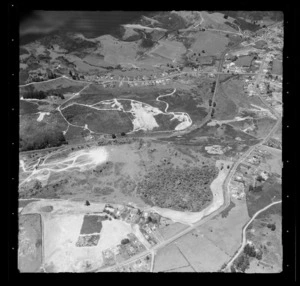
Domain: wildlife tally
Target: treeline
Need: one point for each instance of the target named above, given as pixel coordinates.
(42, 141)
(41, 94)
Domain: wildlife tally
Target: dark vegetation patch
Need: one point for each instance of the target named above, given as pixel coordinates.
(87, 240)
(23, 76)
(41, 94)
(170, 21)
(99, 121)
(68, 42)
(23, 51)
(23, 204)
(246, 25)
(165, 123)
(147, 41)
(43, 134)
(225, 212)
(264, 194)
(242, 263)
(188, 42)
(92, 224)
(36, 190)
(179, 189)
(28, 107)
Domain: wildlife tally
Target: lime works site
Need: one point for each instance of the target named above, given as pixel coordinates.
(153, 148)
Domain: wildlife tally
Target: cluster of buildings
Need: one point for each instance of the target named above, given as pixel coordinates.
(131, 245)
(248, 173)
(148, 222)
(128, 247)
(114, 80)
(243, 61)
(264, 56)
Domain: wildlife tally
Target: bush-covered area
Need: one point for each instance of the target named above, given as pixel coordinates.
(41, 94)
(68, 42)
(241, 263)
(44, 134)
(179, 189)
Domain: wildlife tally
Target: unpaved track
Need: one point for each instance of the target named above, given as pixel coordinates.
(244, 234)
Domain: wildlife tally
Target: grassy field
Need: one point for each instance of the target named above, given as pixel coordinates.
(225, 107)
(28, 107)
(170, 230)
(202, 254)
(212, 43)
(265, 232)
(99, 121)
(186, 102)
(61, 85)
(261, 196)
(169, 258)
(225, 231)
(233, 89)
(30, 243)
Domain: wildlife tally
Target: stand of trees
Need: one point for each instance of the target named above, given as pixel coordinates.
(41, 94)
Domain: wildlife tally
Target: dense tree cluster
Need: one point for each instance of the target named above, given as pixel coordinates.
(179, 189)
(241, 263)
(41, 94)
(45, 140)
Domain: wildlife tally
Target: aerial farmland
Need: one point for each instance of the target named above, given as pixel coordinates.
(153, 146)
